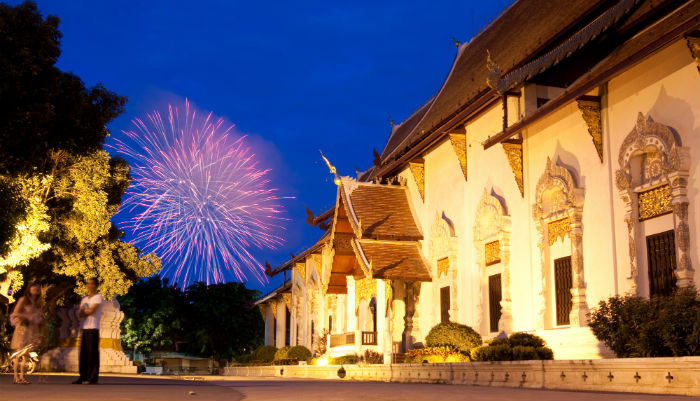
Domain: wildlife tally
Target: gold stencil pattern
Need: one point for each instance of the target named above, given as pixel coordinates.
(558, 229)
(287, 297)
(365, 288)
(418, 171)
(654, 202)
(459, 144)
(492, 252)
(301, 269)
(514, 153)
(443, 265)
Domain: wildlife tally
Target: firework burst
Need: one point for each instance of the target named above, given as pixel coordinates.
(198, 198)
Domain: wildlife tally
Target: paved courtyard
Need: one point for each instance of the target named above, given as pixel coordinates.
(112, 388)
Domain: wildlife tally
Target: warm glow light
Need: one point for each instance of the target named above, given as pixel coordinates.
(322, 361)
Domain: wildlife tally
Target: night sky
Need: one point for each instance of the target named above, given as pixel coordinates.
(295, 76)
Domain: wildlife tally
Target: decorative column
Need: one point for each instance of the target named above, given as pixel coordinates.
(679, 203)
(381, 314)
(579, 309)
(411, 331)
(541, 284)
(505, 323)
(281, 324)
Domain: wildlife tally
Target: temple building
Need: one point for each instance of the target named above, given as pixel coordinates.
(556, 166)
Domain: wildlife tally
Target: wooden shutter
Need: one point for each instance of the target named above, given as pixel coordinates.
(494, 301)
(562, 288)
(661, 260)
(445, 304)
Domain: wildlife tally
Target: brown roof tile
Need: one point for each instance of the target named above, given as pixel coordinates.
(395, 260)
(384, 212)
(512, 40)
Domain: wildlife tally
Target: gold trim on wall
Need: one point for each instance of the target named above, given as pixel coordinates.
(365, 288)
(654, 202)
(443, 266)
(459, 145)
(492, 253)
(558, 229)
(513, 149)
(418, 170)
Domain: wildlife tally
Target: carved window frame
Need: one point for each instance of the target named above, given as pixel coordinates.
(444, 244)
(498, 229)
(567, 216)
(647, 136)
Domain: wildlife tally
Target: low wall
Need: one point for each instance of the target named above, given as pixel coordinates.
(680, 376)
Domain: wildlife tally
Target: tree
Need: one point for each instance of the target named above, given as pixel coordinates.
(43, 108)
(154, 315)
(53, 168)
(224, 321)
(217, 320)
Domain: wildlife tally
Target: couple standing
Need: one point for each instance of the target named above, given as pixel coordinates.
(28, 315)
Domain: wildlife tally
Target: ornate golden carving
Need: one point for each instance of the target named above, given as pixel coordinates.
(273, 306)
(558, 229)
(287, 298)
(654, 202)
(388, 295)
(317, 262)
(514, 152)
(590, 109)
(301, 269)
(443, 265)
(492, 253)
(459, 144)
(694, 46)
(418, 171)
(365, 288)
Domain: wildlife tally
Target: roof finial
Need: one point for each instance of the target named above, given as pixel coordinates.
(391, 120)
(331, 168)
(456, 42)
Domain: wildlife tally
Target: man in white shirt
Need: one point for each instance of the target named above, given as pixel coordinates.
(91, 313)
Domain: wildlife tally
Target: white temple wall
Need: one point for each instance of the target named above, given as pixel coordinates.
(665, 86)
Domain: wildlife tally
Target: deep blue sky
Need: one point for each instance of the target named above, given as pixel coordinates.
(296, 76)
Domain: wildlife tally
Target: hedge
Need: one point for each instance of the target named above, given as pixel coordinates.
(265, 353)
(299, 352)
(517, 347)
(458, 336)
(633, 326)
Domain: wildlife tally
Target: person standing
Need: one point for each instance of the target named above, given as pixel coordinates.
(91, 313)
(26, 317)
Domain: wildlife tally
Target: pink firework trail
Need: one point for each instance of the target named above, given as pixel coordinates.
(198, 198)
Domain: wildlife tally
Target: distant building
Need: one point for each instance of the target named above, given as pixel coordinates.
(556, 166)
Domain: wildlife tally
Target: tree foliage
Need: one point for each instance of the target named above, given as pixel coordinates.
(58, 187)
(216, 320)
(43, 108)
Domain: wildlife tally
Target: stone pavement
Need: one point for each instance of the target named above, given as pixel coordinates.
(113, 387)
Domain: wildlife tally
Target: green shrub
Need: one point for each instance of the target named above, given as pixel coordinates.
(500, 352)
(498, 341)
(458, 357)
(545, 353)
(632, 326)
(523, 353)
(245, 358)
(458, 336)
(282, 354)
(344, 360)
(372, 357)
(299, 352)
(435, 355)
(265, 353)
(679, 318)
(517, 347)
(525, 340)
